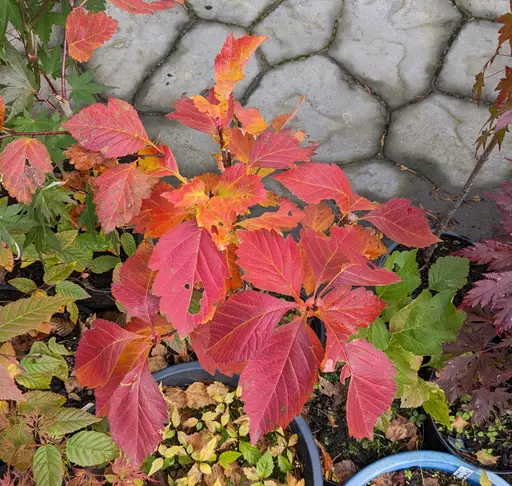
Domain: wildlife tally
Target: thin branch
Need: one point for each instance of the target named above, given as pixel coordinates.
(40, 12)
(460, 198)
(14, 133)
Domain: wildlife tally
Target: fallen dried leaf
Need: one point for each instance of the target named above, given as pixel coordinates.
(399, 429)
(344, 470)
(486, 459)
(175, 396)
(197, 396)
(157, 363)
(326, 387)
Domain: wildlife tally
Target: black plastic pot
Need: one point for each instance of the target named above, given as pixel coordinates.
(394, 246)
(456, 452)
(307, 451)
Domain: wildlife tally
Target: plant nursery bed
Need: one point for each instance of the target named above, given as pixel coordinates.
(418, 477)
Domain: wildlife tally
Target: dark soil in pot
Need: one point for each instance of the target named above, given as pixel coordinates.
(488, 445)
(418, 477)
(326, 415)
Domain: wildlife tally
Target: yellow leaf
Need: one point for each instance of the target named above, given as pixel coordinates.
(484, 480)
(156, 466)
(205, 468)
(6, 259)
(191, 422)
(208, 450)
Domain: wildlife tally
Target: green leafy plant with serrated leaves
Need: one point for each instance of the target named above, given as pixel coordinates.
(418, 318)
(208, 437)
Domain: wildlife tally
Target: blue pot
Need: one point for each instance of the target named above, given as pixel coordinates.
(307, 451)
(426, 460)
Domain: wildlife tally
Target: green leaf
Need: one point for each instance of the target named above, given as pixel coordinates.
(96, 5)
(57, 348)
(83, 88)
(39, 370)
(89, 448)
(265, 465)
(407, 365)
(89, 218)
(51, 62)
(404, 264)
(72, 290)
(40, 400)
(378, 334)
(69, 420)
(72, 308)
(4, 20)
(227, 458)
(47, 467)
(128, 243)
(58, 273)
(104, 263)
(415, 394)
(436, 406)
(423, 325)
(26, 315)
(156, 466)
(448, 273)
(251, 453)
(284, 464)
(25, 285)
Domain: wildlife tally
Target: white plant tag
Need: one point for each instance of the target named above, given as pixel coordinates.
(463, 472)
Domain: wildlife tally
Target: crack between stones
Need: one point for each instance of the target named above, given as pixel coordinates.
(152, 70)
(265, 13)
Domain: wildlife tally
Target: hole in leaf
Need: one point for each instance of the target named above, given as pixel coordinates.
(208, 7)
(187, 286)
(195, 302)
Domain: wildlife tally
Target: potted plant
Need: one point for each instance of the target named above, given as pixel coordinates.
(477, 373)
(453, 469)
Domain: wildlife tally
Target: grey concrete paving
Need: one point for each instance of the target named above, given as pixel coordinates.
(387, 85)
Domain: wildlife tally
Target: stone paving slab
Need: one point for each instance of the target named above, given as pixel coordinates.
(346, 119)
(475, 44)
(387, 83)
(298, 28)
(436, 138)
(393, 46)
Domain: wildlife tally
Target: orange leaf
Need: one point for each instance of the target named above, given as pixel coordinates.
(119, 194)
(287, 217)
(279, 122)
(250, 118)
(141, 7)
(114, 129)
(235, 281)
(84, 159)
(2, 113)
(188, 195)
(318, 217)
(23, 164)
(158, 161)
(157, 215)
(86, 31)
(240, 145)
(230, 63)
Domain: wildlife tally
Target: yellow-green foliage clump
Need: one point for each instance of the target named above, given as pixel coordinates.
(207, 443)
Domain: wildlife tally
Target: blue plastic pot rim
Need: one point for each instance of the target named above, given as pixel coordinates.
(426, 460)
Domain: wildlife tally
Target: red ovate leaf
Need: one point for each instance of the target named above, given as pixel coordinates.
(23, 164)
(158, 161)
(364, 240)
(141, 7)
(184, 256)
(372, 386)
(137, 414)
(250, 118)
(240, 145)
(2, 113)
(119, 194)
(318, 217)
(84, 159)
(187, 113)
(286, 218)
(231, 61)
(8, 389)
(100, 350)
(271, 262)
(403, 223)
(114, 130)
(241, 327)
(344, 311)
(277, 383)
(86, 31)
(237, 192)
(134, 289)
(158, 215)
(314, 182)
(279, 150)
(200, 339)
